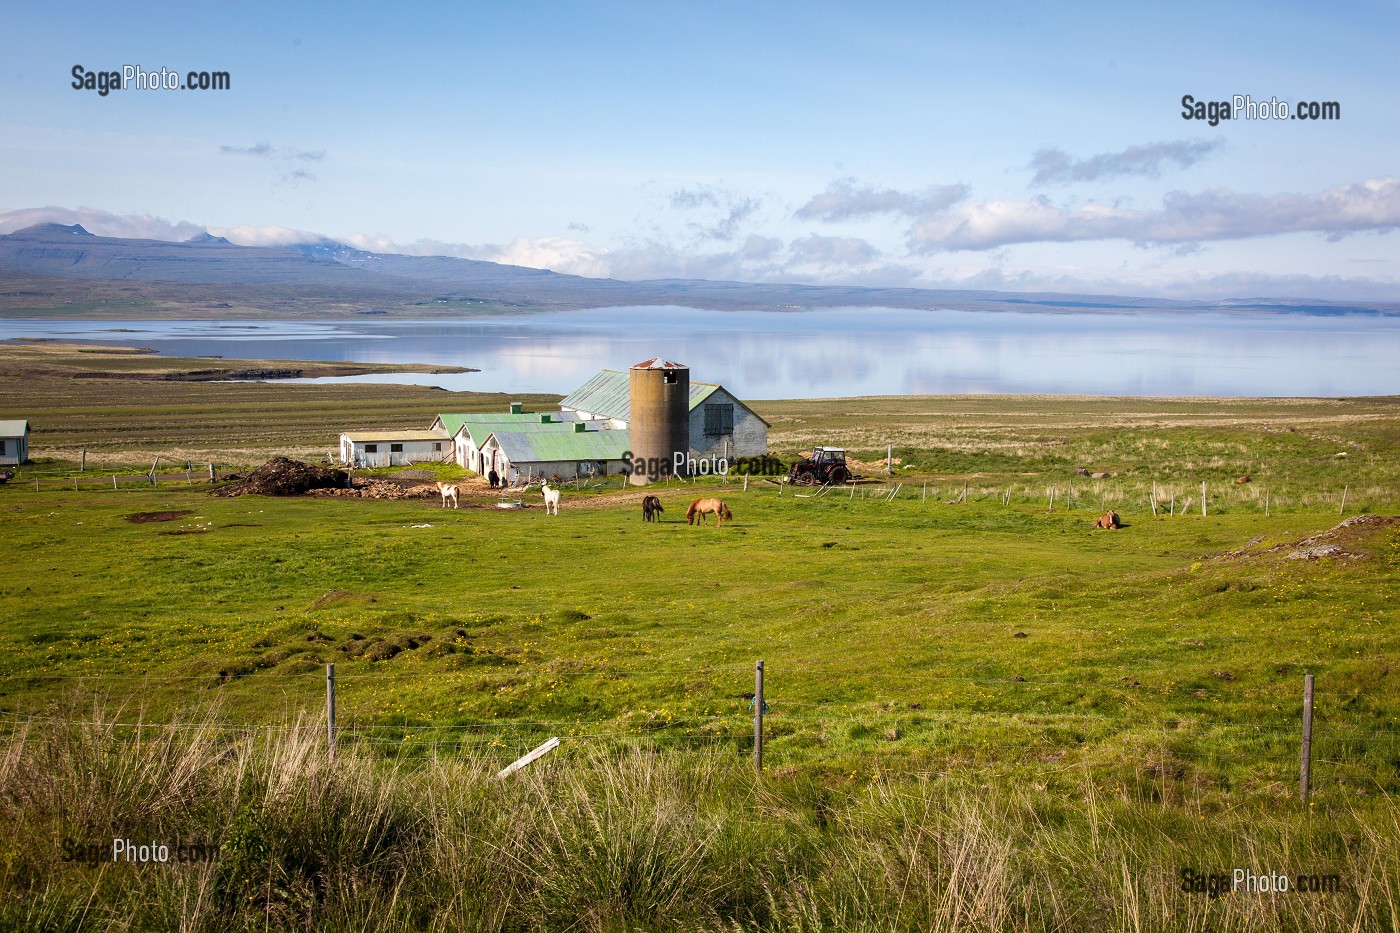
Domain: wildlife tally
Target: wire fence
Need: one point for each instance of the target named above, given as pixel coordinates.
(892, 730)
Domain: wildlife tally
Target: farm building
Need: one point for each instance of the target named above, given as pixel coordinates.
(469, 431)
(523, 452)
(720, 424)
(393, 448)
(14, 443)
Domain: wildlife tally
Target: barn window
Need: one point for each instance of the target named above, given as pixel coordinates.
(395, 448)
(719, 420)
(2, 448)
(670, 377)
(437, 446)
(371, 448)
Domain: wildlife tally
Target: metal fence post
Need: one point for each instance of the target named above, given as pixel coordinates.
(1305, 772)
(330, 710)
(758, 717)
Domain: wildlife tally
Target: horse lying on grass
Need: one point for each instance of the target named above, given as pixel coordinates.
(651, 509)
(702, 507)
(1108, 520)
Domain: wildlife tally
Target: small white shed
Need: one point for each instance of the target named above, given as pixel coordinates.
(393, 448)
(14, 443)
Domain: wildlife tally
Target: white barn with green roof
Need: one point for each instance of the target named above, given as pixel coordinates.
(524, 452)
(720, 424)
(469, 430)
(14, 443)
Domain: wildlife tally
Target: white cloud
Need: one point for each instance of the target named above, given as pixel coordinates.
(265, 235)
(1218, 214)
(100, 223)
(833, 251)
(843, 200)
(1056, 166)
(760, 248)
(729, 208)
(265, 150)
(559, 254)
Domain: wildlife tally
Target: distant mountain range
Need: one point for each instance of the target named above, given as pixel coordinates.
(55, 270)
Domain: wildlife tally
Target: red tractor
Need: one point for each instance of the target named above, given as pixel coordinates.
(826, 466)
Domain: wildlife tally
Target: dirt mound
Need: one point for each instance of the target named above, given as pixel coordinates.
(1321, 550)
(141, 518)
(281, 476)
(1346, 539)
(378, 489)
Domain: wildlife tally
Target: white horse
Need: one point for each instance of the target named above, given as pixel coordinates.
(551, 498)
(448, 491)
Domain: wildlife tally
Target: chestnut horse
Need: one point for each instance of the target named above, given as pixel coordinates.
(703, 507)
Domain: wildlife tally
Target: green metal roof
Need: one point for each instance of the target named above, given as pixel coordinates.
(451, 423)
(609, 394)
(14, 428)
(489, 420)
(531, 446)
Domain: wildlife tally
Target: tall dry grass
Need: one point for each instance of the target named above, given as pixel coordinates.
(628, 838)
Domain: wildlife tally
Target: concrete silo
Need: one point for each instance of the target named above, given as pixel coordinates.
(659, 421)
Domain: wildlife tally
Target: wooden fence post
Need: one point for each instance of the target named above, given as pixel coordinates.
(330, 710)
(1305, 774)
(1343, 509)
(758, 717)
(1203, 498)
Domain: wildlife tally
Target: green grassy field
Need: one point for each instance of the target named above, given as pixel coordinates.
(950, 673)
(890, 629)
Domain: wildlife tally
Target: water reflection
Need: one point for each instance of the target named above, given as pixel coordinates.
(839, 352)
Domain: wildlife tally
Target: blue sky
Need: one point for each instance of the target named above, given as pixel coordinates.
(1011, 146)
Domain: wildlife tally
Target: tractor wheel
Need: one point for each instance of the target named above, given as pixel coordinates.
(805, 479)
(839, 476)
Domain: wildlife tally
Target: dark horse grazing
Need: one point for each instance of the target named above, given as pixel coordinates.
(702, 507)
(651, 509)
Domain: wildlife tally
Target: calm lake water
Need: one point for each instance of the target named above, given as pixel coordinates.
(817, 354)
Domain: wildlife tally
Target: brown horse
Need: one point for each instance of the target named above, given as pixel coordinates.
(702, 507)
(651, 509)
(1108, 520)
